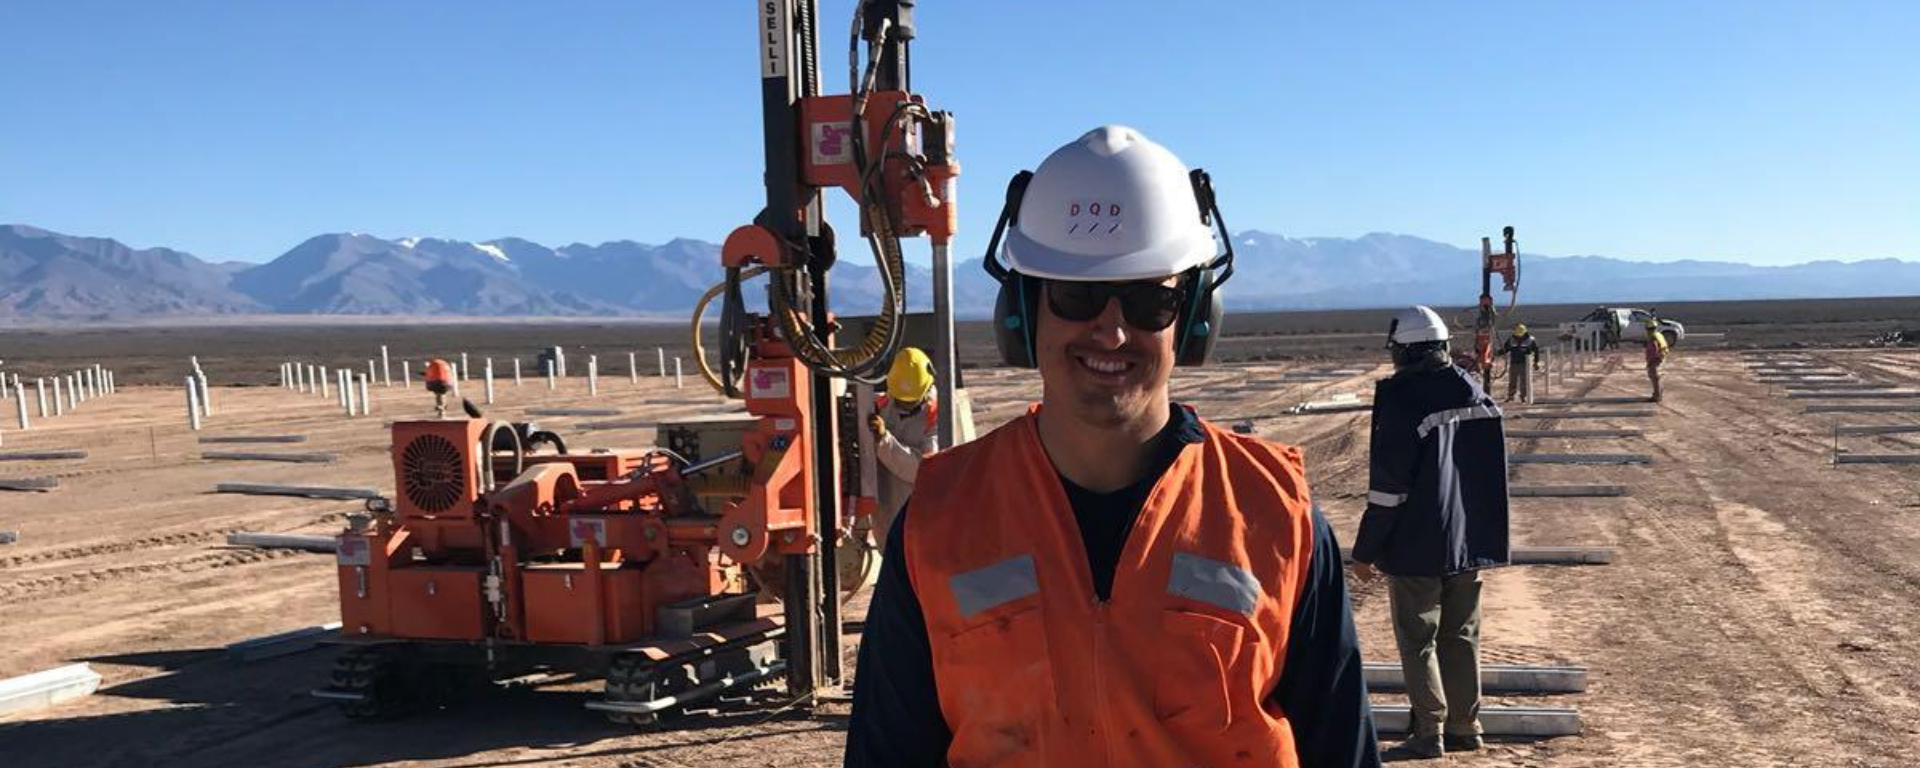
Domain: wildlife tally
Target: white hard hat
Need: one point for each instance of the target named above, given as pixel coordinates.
(1416, 324)
(1112, 205)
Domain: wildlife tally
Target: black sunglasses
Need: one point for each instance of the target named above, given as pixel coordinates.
(1148, 306)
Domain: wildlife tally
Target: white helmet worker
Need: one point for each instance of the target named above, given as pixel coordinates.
(1416, 325)
(1111, 206)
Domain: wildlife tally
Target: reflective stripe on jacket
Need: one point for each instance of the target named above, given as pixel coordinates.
(1175, 669)
(1519, 348)
(1437, 485)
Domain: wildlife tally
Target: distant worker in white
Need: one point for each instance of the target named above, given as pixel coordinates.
(905, 430)
(1436, 515)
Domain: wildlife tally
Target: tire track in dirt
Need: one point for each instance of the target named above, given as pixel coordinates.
(1756, 630)
(114, 547)
(62, 584)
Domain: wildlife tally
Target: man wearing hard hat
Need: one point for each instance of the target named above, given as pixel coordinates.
(1110, 580)
(1436, 516)
(1657, 351)
(1523, 359)
(905, 428)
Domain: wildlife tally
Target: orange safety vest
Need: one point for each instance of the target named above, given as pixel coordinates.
(1174, 670)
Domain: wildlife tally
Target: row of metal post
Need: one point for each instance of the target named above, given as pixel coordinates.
(69, 391)
(1571, 357)
(353, 388)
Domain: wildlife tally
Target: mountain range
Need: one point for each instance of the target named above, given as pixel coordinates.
(51, 276)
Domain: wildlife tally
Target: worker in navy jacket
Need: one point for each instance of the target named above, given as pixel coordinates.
(1436, 515)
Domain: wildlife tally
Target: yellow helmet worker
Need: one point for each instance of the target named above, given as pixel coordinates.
(1520, 330)
(905, 430)
(911, 376)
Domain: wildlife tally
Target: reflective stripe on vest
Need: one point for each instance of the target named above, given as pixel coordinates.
(993, 586)
(1031, 668)
(1224, 585)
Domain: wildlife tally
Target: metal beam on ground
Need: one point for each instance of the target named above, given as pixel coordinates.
(1494, 678)
(1580, 458)
(1561, 555)
(9, 537)
(574, 412)
(616, 425)
(1573, 433)
(1566, 491)
(1494, 721)
(1617, 414)
(1608, 400)
(1876, 458)
(282, 644)
(306, 491)
(1876, 429)
(30, 484)
(283, 541)
(1526, 555)
(299, 458)
(1838, 384)
(47, 688)
(249, 439)
(1853, 394)
(1306, 409)
(41, 455)
(1864, 408)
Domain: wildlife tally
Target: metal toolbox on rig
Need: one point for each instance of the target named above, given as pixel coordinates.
(560, 604)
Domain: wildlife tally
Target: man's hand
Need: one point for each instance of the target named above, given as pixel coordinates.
(1364, 572)
(879, 427)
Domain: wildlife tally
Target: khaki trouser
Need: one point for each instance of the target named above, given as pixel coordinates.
(1520, 382)
(1653, 375)
(1436, 622)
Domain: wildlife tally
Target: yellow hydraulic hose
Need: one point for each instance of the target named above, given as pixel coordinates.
(700, 310)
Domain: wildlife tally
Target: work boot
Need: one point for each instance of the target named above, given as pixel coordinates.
(1467, 743)
(1419, 748)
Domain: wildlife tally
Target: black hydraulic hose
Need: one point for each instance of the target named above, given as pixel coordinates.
(544, 436)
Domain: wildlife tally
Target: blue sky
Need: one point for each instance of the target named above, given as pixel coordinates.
(1771, 132)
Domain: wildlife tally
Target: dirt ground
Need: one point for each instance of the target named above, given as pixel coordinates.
(1760, 609)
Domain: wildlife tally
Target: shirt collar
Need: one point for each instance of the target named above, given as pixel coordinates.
(1185, 425)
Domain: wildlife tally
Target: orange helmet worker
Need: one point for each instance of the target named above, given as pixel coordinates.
(1110, 580)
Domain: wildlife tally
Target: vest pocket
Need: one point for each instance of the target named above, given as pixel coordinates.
(1202, 657)
(1001, 690)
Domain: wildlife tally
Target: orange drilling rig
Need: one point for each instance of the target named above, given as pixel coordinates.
(1506, 264)
(706, 563)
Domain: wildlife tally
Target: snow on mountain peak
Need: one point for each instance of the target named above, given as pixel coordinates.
(492, 250)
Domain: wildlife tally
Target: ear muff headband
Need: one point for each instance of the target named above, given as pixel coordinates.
(1028, 285)
(1202, 327)
(1186, 329)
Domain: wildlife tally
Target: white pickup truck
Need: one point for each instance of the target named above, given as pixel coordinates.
(1629, 323)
